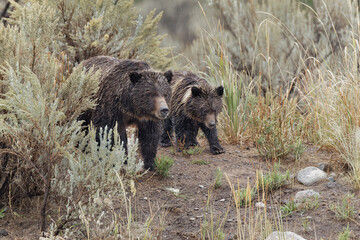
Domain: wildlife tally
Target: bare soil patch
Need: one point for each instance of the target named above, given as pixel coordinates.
(186, 212)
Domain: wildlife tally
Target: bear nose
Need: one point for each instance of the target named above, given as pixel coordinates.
(212, 124)
(164, 111)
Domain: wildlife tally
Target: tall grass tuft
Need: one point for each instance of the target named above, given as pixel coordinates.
(334, 94)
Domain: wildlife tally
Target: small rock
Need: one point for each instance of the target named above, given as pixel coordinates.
(310, 175)
(333, 175)
(229, 220)
(259, 205)
(331, 179)
(3, 232)
(175, 191)
(145, 198)
(201, 186)
(331, 184)
(284, 236)
(196, 209)
(200, 216)
(302, 195)
(326, 167)
(192, 219)
(222, 200)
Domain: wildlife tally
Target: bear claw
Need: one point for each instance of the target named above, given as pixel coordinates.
(216, 150)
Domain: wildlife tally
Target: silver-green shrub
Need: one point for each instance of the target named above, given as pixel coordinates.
(278, 40)
(42, 96)
(91, 182)
(86, 28)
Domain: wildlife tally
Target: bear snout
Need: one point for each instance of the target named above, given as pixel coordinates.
(212, 124)
(210, 120)
(161, 108)
(164, 111)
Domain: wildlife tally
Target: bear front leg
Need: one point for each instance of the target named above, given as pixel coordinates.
(166, 136)
(149, 136)
(123, 138)
(211, 135)
(186, 131)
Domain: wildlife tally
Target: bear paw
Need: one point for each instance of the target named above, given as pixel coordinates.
(216, 150)
(151, 167)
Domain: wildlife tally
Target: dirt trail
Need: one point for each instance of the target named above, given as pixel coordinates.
(186, 212)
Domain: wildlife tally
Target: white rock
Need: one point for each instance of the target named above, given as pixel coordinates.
(302, 195)
(201, 186)
(192, 219)
(222, 200)
(175, 191)
(310, 175)
(259, 205)
(284, 236)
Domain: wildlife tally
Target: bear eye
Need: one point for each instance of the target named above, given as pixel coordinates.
(205, 111)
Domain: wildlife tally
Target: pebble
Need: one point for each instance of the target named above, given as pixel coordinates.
(259, 205)
(284, 236)
(196, 209)
(331, 179)
(201, 186)
(310, 175)
(200, 216)
(302, 195)
(145, 198)
(192, 219)
(222, 200)
(331, 184)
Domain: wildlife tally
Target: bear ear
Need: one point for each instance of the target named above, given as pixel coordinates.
(220, 91)
(195, 91)
(134, 77)
(168, 75)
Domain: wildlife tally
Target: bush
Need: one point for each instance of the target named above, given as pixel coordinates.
(277, 128)
(43, 96)
(85, 28)
(93, 181)
(163, 165)
(275, 40)
(272, 180)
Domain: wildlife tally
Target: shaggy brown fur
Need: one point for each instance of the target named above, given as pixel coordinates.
(194, 104)
(130, 92)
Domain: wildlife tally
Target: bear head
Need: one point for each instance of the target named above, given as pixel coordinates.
(204, 104)
(150, 94)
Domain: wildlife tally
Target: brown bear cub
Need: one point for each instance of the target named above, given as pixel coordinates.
(194, 104)
(130, 93)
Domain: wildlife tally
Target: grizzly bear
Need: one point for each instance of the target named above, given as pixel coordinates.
(194, 104)
(130, 93)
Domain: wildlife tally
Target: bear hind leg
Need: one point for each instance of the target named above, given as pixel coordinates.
(166, 136)
(186, 131)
